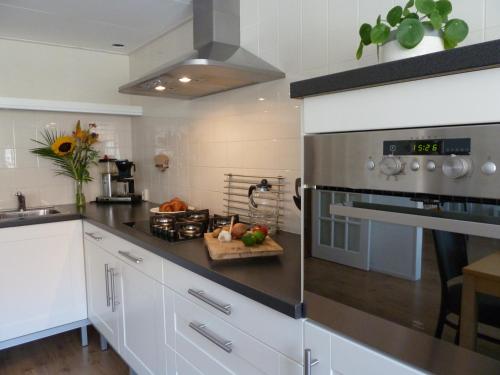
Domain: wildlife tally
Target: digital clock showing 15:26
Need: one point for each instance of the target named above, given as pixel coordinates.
(426, 147)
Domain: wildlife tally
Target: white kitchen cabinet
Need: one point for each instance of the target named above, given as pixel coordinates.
(100, 268)
(141, 305)
(126, 305)
(42, 278)
(339, 355)
(280, 332)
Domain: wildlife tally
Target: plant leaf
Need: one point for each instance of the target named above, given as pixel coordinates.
(448, 44)
(409, 4)
(394, 15)
(428, 25)
(455, 31)
(412, 15)
(425, 6)
(436, 20)
(410, 33)
(359, 52)
(444, 8)
(380, 33)
(379, 19)
(364, 33)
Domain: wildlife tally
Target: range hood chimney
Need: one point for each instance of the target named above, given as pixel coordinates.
(216, 64)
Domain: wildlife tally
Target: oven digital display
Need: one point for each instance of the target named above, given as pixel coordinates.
(456, 146)
(426, 147)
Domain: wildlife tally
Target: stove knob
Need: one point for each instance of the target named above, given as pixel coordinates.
(370, 165)
(489, 168)
(415, 165)
(455, 167)
(391, 166)
(431, 166)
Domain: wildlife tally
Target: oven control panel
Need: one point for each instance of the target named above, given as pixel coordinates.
(453, 161)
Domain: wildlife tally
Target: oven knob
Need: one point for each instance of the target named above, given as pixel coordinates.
(431, 166)
(455, 167)
(391, 166)
(370, 165)
(489, 168)
(415, 165)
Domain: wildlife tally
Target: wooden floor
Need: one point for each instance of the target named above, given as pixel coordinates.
(62, 354)
(409, 303)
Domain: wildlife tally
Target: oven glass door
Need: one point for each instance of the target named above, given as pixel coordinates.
(407, 261)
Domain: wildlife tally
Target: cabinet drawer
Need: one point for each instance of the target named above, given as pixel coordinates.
(277, 330)
(199, 331)
(141, 259)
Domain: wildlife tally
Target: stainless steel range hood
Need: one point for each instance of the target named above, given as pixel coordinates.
(217, 63)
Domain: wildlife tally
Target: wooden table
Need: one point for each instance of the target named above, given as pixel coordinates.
(482, 276)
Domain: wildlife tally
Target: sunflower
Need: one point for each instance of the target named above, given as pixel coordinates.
(63, 145)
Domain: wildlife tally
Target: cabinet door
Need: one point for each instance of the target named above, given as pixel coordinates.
(99, 266)
(142, 329)
(42, 278)
(317, 340)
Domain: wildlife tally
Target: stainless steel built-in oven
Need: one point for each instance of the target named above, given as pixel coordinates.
(402, 223)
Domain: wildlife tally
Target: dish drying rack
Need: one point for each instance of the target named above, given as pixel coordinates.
(236, 194)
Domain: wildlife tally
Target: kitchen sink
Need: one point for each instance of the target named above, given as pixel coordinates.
(29, 213)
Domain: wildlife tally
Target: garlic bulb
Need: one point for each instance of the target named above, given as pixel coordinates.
(224, 236)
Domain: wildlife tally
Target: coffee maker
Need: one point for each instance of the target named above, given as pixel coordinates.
(117, 181)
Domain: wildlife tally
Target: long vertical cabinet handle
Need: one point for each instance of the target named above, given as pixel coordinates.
(106, 276)
(309, 362)
(114, 302)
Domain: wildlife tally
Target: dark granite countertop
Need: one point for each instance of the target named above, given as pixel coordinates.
(463, 59)
(415, 348)
(274, 281)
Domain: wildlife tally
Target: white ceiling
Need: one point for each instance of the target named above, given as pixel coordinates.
(91, 24)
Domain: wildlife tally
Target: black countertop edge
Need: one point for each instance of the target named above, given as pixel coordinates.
(41, 220)
(416, 349)
(479, 56)
(292, 309)
(112, 218)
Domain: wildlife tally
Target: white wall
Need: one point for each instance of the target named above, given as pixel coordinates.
(233, 131)
(29, 70)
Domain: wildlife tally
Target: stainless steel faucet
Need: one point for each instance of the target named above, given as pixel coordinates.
(21, 201)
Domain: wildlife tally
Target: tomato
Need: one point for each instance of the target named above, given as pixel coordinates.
(261, 228)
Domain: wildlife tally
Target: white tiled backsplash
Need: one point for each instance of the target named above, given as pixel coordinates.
(235, 132)
(22, 171)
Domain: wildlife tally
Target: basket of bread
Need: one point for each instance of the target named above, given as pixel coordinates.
(172, 206)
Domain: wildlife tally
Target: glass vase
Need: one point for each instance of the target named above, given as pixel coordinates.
(79, 196)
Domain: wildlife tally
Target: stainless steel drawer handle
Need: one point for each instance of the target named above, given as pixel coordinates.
(222, 307)
(114, 302)
(309, 362)
(225, 345)
(129, 256)
(94, 236)
(106, 277)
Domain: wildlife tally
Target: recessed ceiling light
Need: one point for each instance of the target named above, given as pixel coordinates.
(185, 79)
(160, 88)
(118, 45)
(261, 99)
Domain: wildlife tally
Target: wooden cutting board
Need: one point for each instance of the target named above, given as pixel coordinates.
(236, 249)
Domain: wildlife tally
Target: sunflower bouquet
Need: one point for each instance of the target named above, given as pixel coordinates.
(73, 155)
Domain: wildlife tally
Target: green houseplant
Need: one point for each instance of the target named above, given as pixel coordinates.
(409, 26)
(72, 155)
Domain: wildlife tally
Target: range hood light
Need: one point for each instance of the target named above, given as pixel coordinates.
(185, 79)
(160, 88)
(261, 99)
